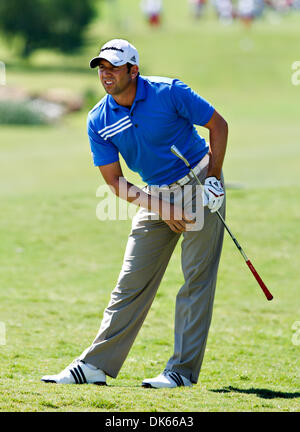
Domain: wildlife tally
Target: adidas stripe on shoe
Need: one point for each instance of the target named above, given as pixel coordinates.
(168, 379)
(77, 372)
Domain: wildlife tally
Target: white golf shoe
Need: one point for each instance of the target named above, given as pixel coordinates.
(168, 379)
(78, 372)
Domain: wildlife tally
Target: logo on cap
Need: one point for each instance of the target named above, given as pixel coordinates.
(112, 48)
(133, 59)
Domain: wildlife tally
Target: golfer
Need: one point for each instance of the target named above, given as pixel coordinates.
(141, 118)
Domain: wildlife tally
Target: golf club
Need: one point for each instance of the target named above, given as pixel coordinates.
(267, 293)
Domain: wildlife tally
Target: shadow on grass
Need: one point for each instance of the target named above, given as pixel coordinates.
(263, 393)
(75, 65)
(48, 68)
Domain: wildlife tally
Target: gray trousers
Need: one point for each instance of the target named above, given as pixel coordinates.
(149, 249)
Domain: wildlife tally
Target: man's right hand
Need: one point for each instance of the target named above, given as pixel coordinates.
(177, 218)
(172, 215)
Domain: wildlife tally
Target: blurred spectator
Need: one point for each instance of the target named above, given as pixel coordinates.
(296, 4)
(152, 10)
(259, 7)
(224, 10)
(245, 11)
(248, 10)
(197, 7)
(282, 5)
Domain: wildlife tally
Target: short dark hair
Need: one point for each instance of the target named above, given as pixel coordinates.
(129, 66)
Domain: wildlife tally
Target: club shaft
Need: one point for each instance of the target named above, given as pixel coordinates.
(248, 262)
(223, 221)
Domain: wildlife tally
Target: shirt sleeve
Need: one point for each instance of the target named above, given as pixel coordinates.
(189, 104)
(103, 151)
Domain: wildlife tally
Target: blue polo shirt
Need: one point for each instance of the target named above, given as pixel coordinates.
(163, 114)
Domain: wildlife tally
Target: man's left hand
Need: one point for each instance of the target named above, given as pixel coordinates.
(213, 194)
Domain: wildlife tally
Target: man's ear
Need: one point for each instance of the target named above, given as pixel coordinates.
(134, 71)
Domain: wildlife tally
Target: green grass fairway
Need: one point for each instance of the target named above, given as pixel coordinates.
(59, 263)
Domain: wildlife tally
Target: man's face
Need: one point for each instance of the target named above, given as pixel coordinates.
(115, 79)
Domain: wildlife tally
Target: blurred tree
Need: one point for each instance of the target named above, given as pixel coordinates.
(57, 24)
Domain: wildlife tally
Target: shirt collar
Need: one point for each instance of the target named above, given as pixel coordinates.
(140, 94)
(141, 89)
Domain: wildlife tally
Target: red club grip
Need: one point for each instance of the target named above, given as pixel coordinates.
(259, 280)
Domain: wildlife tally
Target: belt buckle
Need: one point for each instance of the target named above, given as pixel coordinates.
(183, 180)
(189, 176)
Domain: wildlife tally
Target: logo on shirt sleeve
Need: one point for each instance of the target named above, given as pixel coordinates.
(115, 128)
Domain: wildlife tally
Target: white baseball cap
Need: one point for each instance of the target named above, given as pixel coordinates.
(118, 52)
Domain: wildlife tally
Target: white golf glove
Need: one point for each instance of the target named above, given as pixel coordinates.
(213, 194)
